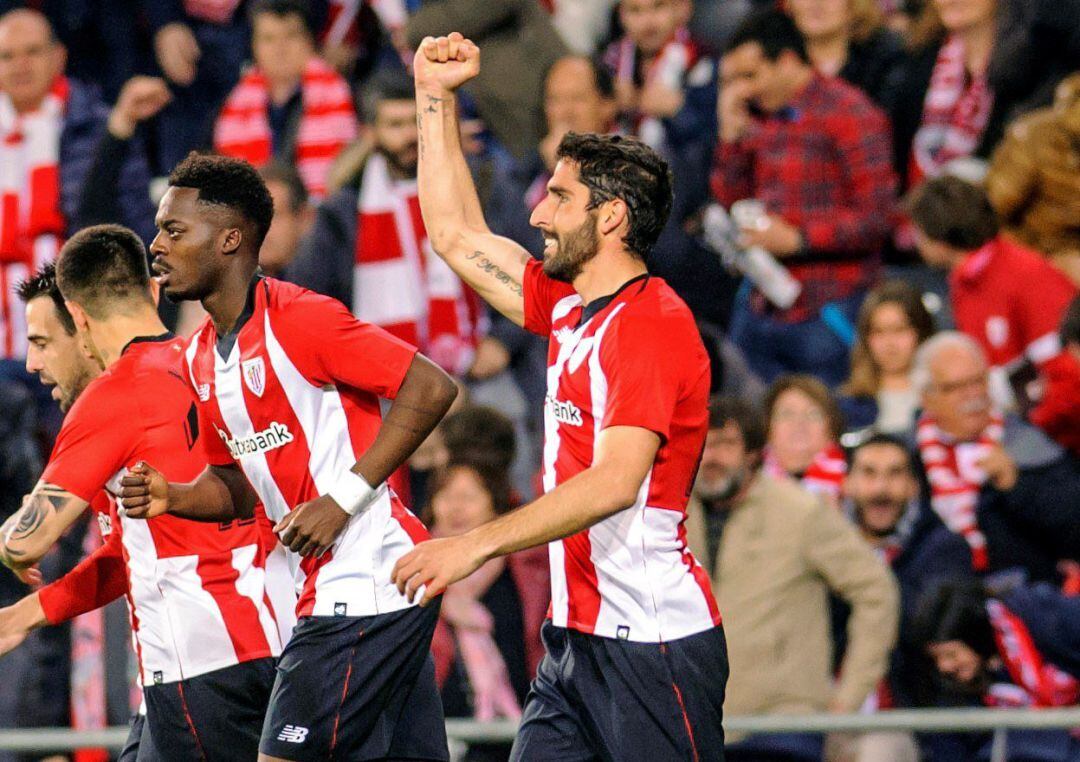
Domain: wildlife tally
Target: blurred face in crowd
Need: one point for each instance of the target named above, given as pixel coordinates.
(880, 485)
(462, 503)
(766, 85)
(821, 19)
(569, 228)
(572, 101)
(396, 136)
(961, 15)
(958, 395)
(56, 356)
(30, 60)
(798, 430)
(892, 339)
(956, 660)
(281, 47)
(725, 464)
(935, 253)
(187, 243)
(651, 23)
(289, 224)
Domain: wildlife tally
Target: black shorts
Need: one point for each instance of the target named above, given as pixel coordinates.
(216, 716)
(136, 728)
(358, 688)
(620, 701)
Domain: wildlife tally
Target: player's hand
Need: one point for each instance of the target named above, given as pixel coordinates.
(144, 492)
(140, 98)
(177, 52)
(435, 565)
(445, 63)
(17, 620)
(311, 528)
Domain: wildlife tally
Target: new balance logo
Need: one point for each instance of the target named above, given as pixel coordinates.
(203, 390)
(293, 734)
(272, 437)
(565, 412)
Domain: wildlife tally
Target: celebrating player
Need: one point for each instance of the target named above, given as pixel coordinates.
(203, 632)
(636, 662)
(288, 384)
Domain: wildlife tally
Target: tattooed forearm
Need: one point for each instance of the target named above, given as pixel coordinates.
(432, 102)
(22, 533)
(485, 264)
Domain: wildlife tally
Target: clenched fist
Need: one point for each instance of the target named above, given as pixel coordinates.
(445, 63)
(144, 492)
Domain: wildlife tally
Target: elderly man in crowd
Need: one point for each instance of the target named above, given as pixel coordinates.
(1005, 487)
(774, 553)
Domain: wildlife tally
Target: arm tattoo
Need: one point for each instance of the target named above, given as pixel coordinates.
(41, 505)
(500, 274)
(431, 101)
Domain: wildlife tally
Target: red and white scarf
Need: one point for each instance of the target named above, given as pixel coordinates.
(31, 221)
(400, 284)
(327, 125)
(670, 67)
(955, 479)
(955, 113)
(824, 476)
(1040, 684)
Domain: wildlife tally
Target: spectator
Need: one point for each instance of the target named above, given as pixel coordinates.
(976, 65)
(291, 105)
(81, 163)
(1008, 490)
(804, 427)
(582, 24)
(848, 39)
(1054, 415)
(818, 160)
(774, 552)
(519, 45)
(892, 323)
(368, 246)
(487, 642)
(293, 217)
(1008, 298)
(882, 498)
(1033, 181)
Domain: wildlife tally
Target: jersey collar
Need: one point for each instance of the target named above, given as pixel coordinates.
(145, 339)
(226, 341)
(593, 308)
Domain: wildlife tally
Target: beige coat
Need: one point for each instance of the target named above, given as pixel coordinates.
(781, 552)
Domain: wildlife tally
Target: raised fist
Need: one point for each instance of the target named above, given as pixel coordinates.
(445, 63)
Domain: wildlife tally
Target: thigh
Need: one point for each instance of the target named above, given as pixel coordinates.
(228, 707)
(550, 726)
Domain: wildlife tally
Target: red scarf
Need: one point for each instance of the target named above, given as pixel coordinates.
(31, 221)
(214, 11)
(1042, 684)
(955, 480)
(669, 67)
(824, 476)
(327, 125)
(955, 113)
(400, 284)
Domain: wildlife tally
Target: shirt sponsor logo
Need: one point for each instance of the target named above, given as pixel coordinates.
(293, 734)
(272, 437)
(254, 372)
(564, 411)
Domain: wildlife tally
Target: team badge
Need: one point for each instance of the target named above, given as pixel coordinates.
(254, 372)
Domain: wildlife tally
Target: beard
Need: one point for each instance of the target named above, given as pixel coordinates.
(573, 251)
(72, 390)
(402, 162)
(723, 489)
(878, 502)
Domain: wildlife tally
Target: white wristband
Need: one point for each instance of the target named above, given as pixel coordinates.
(352, 492)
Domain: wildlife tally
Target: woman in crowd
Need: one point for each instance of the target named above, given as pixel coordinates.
(892, 324)
(848, 39)
(804, 427)
(487, 643)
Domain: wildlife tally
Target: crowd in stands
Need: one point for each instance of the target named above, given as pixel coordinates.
(888, 502)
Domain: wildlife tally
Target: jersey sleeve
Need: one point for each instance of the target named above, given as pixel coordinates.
(330, 346)
(1039, 317)
(92, 446)
(541, 294)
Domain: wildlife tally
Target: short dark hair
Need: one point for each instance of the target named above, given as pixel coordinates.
(385, 85)
(954, 610)
(281, 9)
(101, 266)
(880, 439)
(774, 31)
(954, 212)
(495, 482)
(480, 435)
(230, 183)
(725, 409)
(286, 174)
(1070, 323)
(811, 387)
(43, 283)
(614, 166)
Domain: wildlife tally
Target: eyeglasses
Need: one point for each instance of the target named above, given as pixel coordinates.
(960, 385)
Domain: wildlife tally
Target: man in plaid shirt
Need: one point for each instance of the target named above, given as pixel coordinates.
(816, 151)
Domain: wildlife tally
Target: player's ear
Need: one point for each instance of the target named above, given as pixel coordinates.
(155, 291)
(231, 240)
(78, 315)
(612, 215)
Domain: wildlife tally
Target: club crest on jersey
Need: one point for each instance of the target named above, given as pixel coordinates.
(564, 411)
(254, 372)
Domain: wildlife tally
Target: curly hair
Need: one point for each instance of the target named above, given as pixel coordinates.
(230, 183)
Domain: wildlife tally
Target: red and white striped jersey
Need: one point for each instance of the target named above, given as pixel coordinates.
(295, 402)
(632, 359)
(195, 590)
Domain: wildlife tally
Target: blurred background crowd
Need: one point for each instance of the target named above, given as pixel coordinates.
(876, 224)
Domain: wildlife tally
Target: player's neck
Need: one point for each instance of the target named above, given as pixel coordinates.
(112, 336)
(605, 273)
(226, 304)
